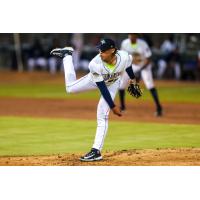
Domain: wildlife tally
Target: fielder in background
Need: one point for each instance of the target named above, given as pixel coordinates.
(105, 74)
(141, 66)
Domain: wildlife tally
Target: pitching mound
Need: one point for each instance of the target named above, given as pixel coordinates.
(159, 157)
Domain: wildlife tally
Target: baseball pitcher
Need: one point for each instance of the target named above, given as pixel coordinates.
(105, 73)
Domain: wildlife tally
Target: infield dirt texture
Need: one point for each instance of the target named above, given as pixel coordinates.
(42, 96)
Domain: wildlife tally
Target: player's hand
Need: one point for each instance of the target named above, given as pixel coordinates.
(117, 111)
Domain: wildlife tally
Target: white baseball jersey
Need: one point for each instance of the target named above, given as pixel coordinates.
(100, 72)
(141, 48)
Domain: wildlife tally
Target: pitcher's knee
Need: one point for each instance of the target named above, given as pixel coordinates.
(70, 90)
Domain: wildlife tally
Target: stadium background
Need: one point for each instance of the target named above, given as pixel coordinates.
(38, 45)
(41, 125)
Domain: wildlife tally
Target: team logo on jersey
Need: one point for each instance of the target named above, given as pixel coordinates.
(111, 77)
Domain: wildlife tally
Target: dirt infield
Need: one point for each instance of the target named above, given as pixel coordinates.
(162, 157)
(137, 111)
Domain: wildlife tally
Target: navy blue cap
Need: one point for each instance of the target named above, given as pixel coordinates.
(106, 44)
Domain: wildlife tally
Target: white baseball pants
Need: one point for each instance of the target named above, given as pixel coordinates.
(84, 84)
(146, 74)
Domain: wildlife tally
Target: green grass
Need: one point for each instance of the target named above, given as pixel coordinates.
(41, 91)
(188, 93)
(36, 136)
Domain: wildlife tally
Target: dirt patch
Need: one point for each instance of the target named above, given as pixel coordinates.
(12, 77)
(159, 157)
(86, 109)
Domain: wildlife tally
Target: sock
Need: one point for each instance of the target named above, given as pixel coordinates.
(122, 99)
(155, 98)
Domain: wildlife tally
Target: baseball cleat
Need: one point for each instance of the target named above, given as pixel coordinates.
(93, 155)
(62, 52)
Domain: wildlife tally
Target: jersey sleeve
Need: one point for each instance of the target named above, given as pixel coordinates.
(95, 72)
(147, 50)
(123, 45)
(130, 60)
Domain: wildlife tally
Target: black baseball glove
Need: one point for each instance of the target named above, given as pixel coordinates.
(134, 90)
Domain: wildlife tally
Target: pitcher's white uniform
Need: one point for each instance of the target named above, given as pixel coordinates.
(142, 48)
(98, 72)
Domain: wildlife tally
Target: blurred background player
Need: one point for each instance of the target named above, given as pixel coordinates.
(54, 63)
(170, 61)
(37, 57)
(141, 53)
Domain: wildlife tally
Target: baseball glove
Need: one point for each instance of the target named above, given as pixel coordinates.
(137, 59)
(134, 90)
